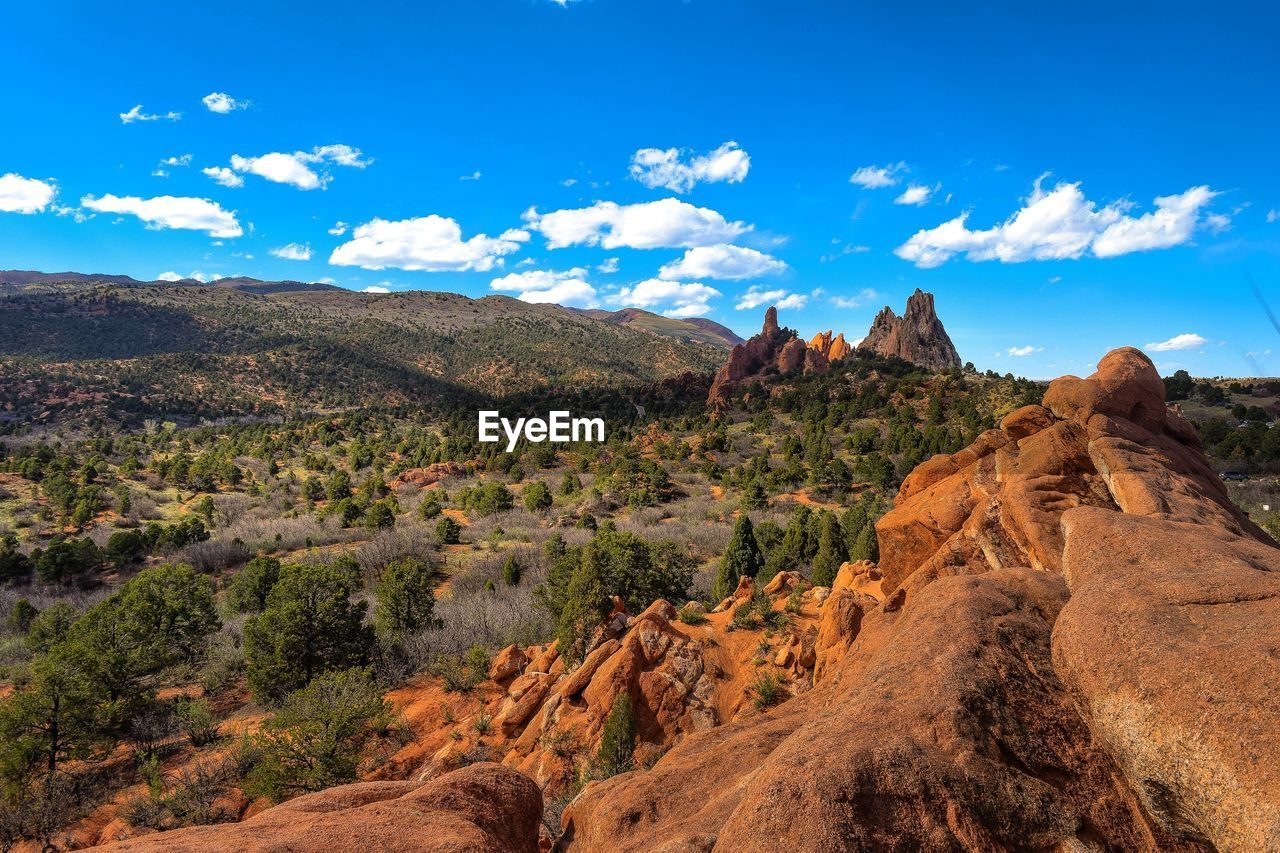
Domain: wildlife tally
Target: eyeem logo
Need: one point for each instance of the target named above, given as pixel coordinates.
(558, 427)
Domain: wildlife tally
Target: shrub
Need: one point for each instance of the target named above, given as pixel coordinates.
(197, 721)
(405, 597)
(618, 743)
(448, 531)
(250, 587)
(315, 740)
(768, 690)
(536, 496)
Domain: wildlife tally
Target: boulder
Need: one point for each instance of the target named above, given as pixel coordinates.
(482, 807)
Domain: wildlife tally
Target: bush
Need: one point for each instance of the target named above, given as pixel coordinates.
(448, 531)
(768, 690)
(405, 597)
(316, 738)
(197, 721)
(536, 496)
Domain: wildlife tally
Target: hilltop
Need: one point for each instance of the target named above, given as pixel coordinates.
(87, 347)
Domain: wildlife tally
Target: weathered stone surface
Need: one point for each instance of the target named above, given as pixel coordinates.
(917, 336)
(1169, 642)
(483, 808)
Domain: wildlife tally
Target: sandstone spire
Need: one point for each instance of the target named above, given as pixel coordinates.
(917, 336)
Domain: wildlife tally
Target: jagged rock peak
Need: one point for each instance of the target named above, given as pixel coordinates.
(750, 361)
(833, 348)
(917, 336)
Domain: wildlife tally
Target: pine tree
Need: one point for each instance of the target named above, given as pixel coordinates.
(742, 557)
(618, 743)
(511, 571)
(405, 597)
(585, 604)
(831, 551)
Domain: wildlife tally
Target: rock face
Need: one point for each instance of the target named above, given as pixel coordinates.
(1074, 650)
(917, 336)
(774, 350)
(833, 348)
(483, 808)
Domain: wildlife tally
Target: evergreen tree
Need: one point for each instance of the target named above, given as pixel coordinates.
(406, 597)
(618, 743)
(742, 557)
(585, 605)
(536, 496)
(831, 551)
(511, 571)
(448, 531)
(249, 588)
(310, 626)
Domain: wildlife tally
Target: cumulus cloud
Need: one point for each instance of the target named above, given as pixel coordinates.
(665, 224)
(376, 288)
(1023, 352)
(916, 194)
(754, 297)
(192, 276)
(223, 176)
(474, 176)
(136, 114)
(25, 195)
(1273, 215)
(1185, 341)
(296, 169)
(339, 228)
(608, 265)
(877, 177)
(732, 263)
(221, 102)
(669, 168)
(292, 252)
(671, 298)
(1061, 223)
(864, 297)
(567, 287)
(167, 211)
(431, 243)
(179, 160)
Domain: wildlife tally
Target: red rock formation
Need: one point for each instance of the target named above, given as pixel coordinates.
(833, 348)
(917, 336)
(1076, 652)
(482, 807)
(772, 349)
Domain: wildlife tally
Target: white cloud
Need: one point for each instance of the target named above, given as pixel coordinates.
(722, 261)
(1216, 223)
(877, 177)
(136, 114)
(25, 195)
(295, 169)
(1024, 351)
(192, 276)
(221, 102)
(224, 176)
(180, 160)
(474, 176)
(916, 194)
(671, 298)
(1059, 224)
(864, 297)
(754, 297)
(1273, 215)
(608, 265)
(292, 252)
(1185, 341)
(376, 288)
(846, 249)
(663, 167)
(567, 287)
(339, 228)
(431, 243)
(665, 224)
(167, 211)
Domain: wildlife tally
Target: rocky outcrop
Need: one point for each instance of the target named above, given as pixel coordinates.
(833, 348)
(774, 351)
(1073, 650)
(483, 808)
(917, 336)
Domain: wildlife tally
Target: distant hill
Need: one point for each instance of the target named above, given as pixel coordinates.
(697, 330)
(76, 346)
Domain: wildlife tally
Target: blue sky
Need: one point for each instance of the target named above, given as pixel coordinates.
(687, 157)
